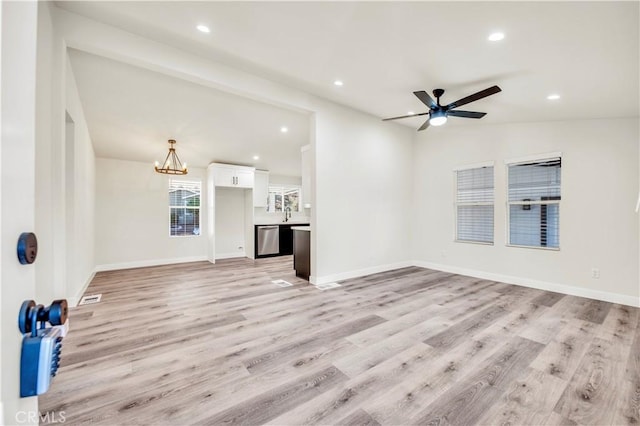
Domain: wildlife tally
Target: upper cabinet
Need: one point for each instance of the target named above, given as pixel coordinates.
(261, 189)
(232, 176)
(306, 176)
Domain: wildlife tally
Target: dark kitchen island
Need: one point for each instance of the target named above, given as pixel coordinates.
(302, 251)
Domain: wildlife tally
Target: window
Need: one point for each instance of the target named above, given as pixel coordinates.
(282, 198)
(474, 205)
(534, 203)
(184, 207)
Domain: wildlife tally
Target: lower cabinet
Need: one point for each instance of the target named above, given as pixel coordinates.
(286, 240)
(302, 253)
(285, 234)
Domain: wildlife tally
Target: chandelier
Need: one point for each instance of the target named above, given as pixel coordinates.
(172, 164)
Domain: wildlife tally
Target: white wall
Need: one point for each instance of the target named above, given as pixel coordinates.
(347, 239)
(285, 180)
(64, 190)
(230, 222)
(37, 90)
(45, 148)
(598, 225)
(132, 217)
(81, 257)
(17, 192)
(362, 178)
(363, 190)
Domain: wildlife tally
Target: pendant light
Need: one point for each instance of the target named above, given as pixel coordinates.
(172, 164)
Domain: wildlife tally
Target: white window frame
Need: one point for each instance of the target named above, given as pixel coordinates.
(456, 204)
(171, 207)
(283, 188)
(524, 160)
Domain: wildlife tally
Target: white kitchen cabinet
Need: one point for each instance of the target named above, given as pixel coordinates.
(306, 176)
(261, 188)
(232, 176)
(245, 178)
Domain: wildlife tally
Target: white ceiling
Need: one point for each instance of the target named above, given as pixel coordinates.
(588, 52)
(132, 112)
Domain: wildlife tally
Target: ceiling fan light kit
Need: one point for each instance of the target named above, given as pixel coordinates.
(437, 118)
(172, 164)
(438, 113)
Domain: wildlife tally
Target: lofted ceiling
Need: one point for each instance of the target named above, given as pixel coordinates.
(587, 52)
(132, 112)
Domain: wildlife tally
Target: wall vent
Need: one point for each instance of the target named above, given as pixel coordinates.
(282, 283)
(88, 300)
(327, 286)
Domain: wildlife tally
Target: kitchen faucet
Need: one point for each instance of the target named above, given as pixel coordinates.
(287, 214)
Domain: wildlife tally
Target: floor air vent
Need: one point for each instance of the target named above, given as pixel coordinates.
(88, 300)
(282, 283)
(327, 286)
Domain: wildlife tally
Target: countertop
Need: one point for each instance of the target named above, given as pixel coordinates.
(290, 222)
(301, 228)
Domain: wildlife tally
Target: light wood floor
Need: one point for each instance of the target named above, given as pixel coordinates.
(220, 344)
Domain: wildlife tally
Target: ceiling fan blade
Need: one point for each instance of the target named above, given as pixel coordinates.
(405, 116)
(471, 98)
(466, 114)
(426, 99)
(425, 125)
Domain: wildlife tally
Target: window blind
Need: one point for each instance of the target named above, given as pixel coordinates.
(534, 203)
(184, 207)
(533, 181)
(474, 204)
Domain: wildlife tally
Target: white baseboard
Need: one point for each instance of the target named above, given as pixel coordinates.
(358, 273)
(525, 282)
(230, 255)
(540, 285)
(145, 263)
(521, 281)
(75, 299)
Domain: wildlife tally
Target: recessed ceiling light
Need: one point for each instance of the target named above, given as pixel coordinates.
(553, 97)
(255, 157)
(410, 113)
(496, 36)
(203, 28)
(338, 83)
(284, 129)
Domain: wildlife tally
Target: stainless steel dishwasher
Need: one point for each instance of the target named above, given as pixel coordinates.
(268, 239)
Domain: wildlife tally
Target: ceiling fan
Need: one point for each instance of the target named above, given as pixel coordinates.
(438, 113)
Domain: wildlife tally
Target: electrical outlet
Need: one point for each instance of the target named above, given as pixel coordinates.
(595, 273)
